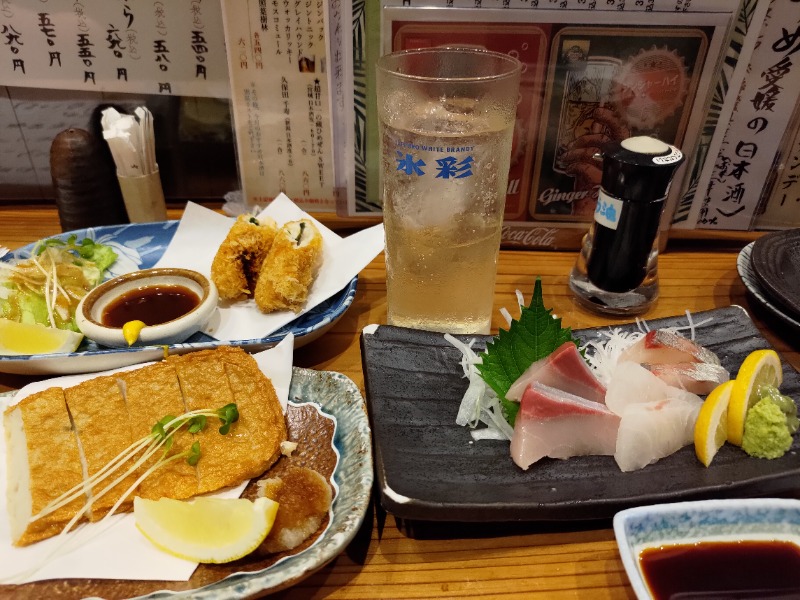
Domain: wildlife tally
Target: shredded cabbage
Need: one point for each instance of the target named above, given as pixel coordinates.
(47, 287)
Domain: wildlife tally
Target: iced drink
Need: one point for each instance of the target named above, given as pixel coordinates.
(446, 143)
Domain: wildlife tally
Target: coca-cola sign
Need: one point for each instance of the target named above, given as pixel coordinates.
(532, 237)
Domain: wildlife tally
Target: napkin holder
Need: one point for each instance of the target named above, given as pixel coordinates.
(144, 197)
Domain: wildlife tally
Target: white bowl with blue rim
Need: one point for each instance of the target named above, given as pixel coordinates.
(680, 523)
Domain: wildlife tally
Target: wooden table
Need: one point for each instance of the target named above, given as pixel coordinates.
(536, 562)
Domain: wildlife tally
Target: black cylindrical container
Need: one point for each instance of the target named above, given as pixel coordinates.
(616, 268)
(636, 177)
(87, 190)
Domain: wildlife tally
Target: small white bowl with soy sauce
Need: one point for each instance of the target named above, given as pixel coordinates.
(172, 303)
(731, 548)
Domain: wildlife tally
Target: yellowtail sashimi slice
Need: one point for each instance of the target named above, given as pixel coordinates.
(657, 419)
(565, 370)
(557, 424)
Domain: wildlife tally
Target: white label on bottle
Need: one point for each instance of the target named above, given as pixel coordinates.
(608, 210)
(673, 157)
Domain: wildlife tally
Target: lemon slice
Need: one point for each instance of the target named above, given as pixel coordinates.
(206, 530)
(711, 427)
(131, 331)
(761, 367)
(32, 338)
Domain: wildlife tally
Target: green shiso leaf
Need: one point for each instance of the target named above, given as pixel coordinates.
(536, 334)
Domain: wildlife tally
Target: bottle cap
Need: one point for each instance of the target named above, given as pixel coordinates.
(639, 168)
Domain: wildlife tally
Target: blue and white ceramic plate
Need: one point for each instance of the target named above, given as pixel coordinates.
(744, 265)
(762, 519)
(139, 246)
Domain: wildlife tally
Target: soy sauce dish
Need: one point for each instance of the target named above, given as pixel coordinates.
(737, 548)
(172, 303)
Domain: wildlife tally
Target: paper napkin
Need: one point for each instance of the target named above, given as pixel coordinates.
(201, 231)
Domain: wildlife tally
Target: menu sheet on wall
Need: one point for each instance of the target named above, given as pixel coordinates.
(783, 208)
(279, 66)
(134, 46)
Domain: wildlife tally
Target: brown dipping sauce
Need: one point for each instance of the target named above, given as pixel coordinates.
(152, 305)
(730, 570)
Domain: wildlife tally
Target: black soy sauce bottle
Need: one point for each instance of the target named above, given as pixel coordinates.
(616, 269)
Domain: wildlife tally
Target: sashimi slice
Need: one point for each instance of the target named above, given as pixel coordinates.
(698, 378)
(558, 424)
(662, 346)
(633, 384)
(650, 431)
(565, 370)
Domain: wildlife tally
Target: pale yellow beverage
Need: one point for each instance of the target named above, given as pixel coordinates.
(446, 118)
(443, 236)
(442, 278)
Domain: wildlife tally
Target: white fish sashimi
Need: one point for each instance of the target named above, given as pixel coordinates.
(564, 369)
(557, 424)
(656, 419)
(662, 346)
(633, 384)
(649, 431)
(698, 378)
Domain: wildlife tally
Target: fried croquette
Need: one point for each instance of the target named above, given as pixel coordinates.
(304, 497)
(290, 267)
(238, 260)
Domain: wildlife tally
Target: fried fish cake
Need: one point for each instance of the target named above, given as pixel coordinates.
(151, 394)
(43, 462)
(101, 423)
(253, 443)
(290, 267)
(238, 260)
(46, 456)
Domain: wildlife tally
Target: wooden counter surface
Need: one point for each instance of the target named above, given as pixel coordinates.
(545, 562)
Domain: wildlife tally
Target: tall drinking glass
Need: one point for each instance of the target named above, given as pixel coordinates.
(446, 123)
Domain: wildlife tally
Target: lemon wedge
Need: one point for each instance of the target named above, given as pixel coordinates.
(131, 331)
(711, 427)
(206, 530)
(33, 338)
(761, 367)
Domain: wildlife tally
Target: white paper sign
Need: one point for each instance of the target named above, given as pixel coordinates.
(135, 46)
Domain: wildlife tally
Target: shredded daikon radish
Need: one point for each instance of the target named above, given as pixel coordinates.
(603, 354)
(520, 304)
(479, 403)
(691, 324)
(497, 428)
